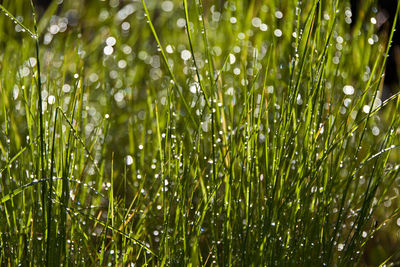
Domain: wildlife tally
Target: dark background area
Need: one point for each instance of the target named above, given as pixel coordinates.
(385, 16)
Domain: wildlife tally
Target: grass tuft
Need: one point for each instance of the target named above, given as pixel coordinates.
(197, 133)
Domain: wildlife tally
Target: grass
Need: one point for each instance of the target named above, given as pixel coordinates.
(250, 136)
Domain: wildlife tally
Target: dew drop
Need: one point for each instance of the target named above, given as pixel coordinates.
(278, 33)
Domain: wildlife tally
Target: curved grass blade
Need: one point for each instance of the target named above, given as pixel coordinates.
(25, 29)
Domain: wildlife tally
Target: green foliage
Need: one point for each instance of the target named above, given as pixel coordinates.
(187, 133)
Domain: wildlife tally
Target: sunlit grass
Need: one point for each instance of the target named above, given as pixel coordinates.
(184, 133)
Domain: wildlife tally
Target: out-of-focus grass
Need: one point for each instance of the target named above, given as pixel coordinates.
(253, 135)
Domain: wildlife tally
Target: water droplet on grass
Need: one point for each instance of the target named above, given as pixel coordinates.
(347, 102)
(256, 22)
(54, 29)
(185, 54)
(108, 50)
(366, 108)
(126, 49)
(232, 59)
(51, 99)
(125, 26)
(278, 14)
(370, 41)
(229, 91)
(194, 88)
(364, 234)
(122, 64)
(111, 41)
(375, 131)
(181, 22)
(348, 90)
(278, 33)
(263, 27)
(169, 49)
(66, 88)
(167, 6)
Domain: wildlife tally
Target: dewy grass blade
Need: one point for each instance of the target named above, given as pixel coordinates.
(51, 240)
(21, 189)
(164, 57)
(77, 137)
(16, 21)
(190, 39)
(18, 155)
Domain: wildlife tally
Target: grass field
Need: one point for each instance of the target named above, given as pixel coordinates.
(190, 133)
